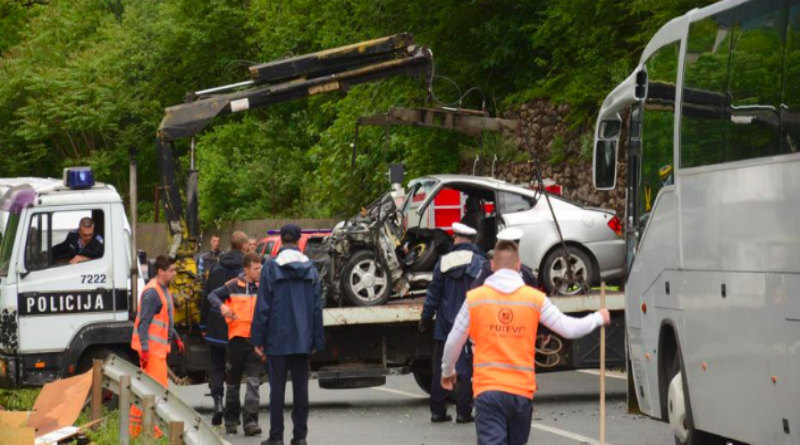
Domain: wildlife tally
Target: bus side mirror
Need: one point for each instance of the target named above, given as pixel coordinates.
(604, 161)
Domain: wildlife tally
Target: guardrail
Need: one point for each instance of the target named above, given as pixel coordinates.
(134, 386)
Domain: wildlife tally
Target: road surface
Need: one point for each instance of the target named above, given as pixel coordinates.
(566, 412)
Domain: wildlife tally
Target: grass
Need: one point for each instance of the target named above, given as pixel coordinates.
(106, 434)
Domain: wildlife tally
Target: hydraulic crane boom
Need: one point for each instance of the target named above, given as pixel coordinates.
(271, 83)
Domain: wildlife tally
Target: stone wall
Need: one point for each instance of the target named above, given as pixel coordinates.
(563, 153)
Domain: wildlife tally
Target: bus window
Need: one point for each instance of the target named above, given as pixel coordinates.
(790, 109)
(705, 80)
(755, 80)
(658, 120)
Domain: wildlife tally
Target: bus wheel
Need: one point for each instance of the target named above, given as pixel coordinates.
(676, 407)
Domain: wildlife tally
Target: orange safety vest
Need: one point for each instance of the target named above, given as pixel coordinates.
(243, 305)
(503, 328)
(159, 328)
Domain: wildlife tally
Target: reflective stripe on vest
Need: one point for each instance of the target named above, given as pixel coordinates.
(244, 306)
(158, 332)
(503, 328)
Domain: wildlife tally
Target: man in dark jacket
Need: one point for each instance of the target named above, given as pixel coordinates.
(80, 245)
(287, 329)
(515, 236)
(452, 278)
(209, 259)
(213, 325)
(236, 301)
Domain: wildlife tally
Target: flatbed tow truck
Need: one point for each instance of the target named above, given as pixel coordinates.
(55, 318)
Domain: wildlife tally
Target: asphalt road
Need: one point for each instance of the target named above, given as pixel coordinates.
(566, 411)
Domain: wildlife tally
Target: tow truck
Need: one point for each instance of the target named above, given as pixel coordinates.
(56, 317)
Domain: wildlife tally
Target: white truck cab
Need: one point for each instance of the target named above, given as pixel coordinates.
(62, 303)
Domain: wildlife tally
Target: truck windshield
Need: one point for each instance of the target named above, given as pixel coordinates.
(9, 222)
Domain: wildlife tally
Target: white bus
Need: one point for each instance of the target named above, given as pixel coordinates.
(713, 221)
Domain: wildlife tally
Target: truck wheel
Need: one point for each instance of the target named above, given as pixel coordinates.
(365, 281)
(554, 272)
(424, 381)
(85, 363)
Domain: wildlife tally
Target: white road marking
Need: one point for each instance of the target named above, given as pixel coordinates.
(400, 393)
(567, 434)
(538, 426)
(609, 374)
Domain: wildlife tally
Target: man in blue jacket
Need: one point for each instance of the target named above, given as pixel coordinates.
(514, 235)
(287, 329)
(452, 278)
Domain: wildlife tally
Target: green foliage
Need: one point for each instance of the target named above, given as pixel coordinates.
(84, 81)
(18, 399)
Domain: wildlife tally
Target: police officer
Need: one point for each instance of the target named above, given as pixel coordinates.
(452, 278)
(287, 329)
(501, 317)
(513, 235)
(80, 245)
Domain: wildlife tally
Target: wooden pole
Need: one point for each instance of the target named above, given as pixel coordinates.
(603, 368)
(176, 433)
(148, 419)
(97, 389)
(124, 409)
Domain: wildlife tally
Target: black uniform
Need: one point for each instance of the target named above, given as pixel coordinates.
(71, 247)
(527, 276)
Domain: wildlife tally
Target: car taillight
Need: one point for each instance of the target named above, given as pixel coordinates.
(615, 225)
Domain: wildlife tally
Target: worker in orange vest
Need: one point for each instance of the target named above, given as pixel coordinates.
(501, 317)
(236, 301)
(154, 330)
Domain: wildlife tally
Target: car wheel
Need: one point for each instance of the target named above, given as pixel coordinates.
(365, 280)
(426, 254)
(557, 282)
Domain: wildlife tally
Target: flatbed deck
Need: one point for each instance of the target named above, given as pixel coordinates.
(408, 310)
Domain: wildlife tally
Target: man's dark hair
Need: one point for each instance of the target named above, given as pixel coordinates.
(214, 236)
(251, 258)
(163, 262)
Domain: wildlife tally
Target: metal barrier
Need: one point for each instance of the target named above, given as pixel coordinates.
(168, 407)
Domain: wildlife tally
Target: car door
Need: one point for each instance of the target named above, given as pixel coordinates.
(56, 298)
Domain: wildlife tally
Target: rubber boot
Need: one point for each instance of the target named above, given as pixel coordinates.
(219, 410)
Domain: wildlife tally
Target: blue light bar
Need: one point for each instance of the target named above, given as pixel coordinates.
(78, 177)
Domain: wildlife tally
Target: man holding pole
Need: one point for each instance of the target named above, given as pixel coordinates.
(502, 318)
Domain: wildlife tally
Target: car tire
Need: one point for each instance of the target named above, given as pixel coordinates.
(554, 270)
(365, 280)
(426, 261)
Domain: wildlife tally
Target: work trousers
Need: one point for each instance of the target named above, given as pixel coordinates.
(279, 367)
(243, 361)
(216, 364)
(463, 389)
(503, 418)
(157, 369)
